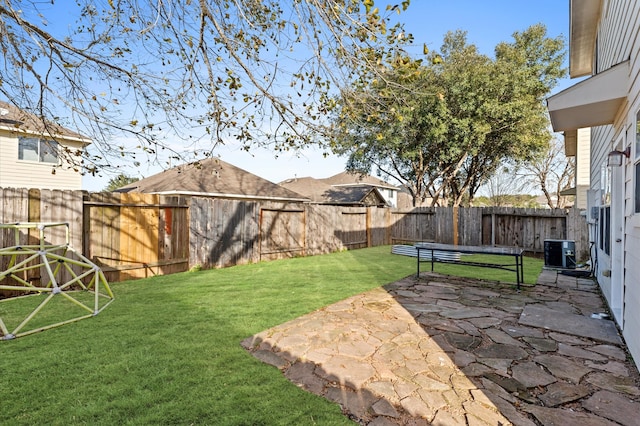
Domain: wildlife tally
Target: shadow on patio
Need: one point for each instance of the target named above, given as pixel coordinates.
(452, 351)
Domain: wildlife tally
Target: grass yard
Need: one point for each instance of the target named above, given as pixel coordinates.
(167, 350)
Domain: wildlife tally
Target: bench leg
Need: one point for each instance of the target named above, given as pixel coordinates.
(431, 260)
(519, 271)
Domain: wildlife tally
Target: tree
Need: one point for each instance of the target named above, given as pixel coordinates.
(186, 75)
(442, 126)
(119, 181)
(501, 187)
(552, 172)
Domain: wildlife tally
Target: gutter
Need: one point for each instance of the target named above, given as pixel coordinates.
(14, 129)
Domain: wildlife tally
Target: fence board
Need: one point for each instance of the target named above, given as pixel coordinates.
(470, 221)
(380, 226)
(127, 234)
(444, 225)
(198, 224)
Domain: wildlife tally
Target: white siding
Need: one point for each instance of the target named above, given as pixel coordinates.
(583, 167)
(583, 156)
(16, 173)
(618, 40)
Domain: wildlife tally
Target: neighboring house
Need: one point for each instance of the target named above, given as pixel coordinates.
(346, 179)
(320, 192)
(345, 189)
(605, 45)
(36, 154)
(213, 177)
(405, 200)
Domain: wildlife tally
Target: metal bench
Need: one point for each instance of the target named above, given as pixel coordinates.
(432, 251)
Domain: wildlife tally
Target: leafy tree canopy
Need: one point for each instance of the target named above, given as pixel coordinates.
(119, 181)
(441, 125)
(186, 75)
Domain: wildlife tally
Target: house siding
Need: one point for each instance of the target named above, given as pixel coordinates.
(16, 173)
(583, 167)
(618, 41)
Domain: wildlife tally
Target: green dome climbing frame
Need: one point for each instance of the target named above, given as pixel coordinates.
(70, 287)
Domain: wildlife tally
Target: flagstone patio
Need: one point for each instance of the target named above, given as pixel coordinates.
(451, 351)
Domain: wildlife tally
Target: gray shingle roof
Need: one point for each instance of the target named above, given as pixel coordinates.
(346, 178)
(213, 177)
(321, 192)
(13, 118)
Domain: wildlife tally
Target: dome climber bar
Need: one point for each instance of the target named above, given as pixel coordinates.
(68, 287)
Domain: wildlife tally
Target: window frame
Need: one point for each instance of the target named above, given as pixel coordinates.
(47, 151)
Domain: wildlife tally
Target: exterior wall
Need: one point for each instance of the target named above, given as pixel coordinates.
(390, 196)
(16, 173)
(631, 330)
(583, 167)
(618, 40)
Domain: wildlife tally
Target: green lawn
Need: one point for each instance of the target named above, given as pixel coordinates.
(167, 350)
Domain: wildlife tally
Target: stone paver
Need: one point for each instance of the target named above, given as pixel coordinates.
(569, 323)
(444, 350)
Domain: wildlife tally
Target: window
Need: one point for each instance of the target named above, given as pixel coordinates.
(637, 195)
(605, 185)
(605, 229)
(40, 150)
(637, 154)
(605, 209)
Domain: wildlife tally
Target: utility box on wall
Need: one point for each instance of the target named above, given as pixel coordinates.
(560, 253)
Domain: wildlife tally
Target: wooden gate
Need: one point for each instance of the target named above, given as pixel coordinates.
(136, 235)
(282, 232)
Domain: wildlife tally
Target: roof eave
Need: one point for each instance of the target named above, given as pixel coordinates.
(233, 196)
(592, 102)
(583, 29)
(83, 140)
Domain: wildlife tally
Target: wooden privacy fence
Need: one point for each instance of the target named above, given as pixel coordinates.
(493, 226)
(138, 235)
(229, 232)
(32, 205)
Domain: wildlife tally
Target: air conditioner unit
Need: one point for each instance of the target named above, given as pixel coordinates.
(560, 254)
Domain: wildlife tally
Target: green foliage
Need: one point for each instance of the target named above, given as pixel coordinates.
(442, 126)
(507, 200)
(119, 181)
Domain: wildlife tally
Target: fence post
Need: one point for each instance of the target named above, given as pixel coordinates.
(455, 225)
(493, 228)
(368, 226)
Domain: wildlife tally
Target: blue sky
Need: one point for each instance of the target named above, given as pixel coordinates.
(487, 22)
